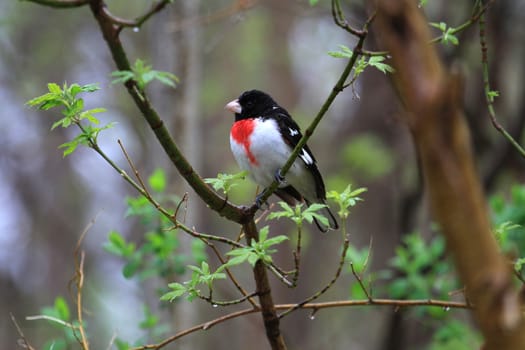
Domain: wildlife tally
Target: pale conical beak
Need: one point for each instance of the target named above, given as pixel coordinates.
(234, 107)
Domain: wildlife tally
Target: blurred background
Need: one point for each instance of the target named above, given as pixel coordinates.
(219, 49)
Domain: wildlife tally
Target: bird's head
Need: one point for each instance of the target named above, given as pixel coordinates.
(251, 104)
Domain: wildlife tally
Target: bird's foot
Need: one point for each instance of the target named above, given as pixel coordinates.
(259, 202)
(279, 177)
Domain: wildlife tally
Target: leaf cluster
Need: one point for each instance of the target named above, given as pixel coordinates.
(225, 182)
(73, 113)
(143, 74)
(157, 254)
(201, 276)
(258, 250)
(346, 199)
(376, 61)
(59, 315)
(447, 36)
(298, 215)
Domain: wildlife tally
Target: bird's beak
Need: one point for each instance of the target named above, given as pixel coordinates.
(234, 107)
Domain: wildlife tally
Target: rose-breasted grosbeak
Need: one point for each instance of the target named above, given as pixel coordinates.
(262, 138)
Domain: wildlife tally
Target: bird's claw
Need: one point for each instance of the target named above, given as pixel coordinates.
(259, 202)
(279, 177)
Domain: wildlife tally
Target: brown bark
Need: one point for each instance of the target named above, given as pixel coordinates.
(270, 318)
(432, 98)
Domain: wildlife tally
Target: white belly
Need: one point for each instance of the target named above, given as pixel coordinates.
(268, 154)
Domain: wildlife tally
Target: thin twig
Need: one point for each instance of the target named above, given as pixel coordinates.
(229, 302)
(61, 4)
(338, 87)
(52, 319)
(202, 326)
(340, 20)
(80, 283)
(111, 341)
(23, 338)
(487, 90)
(135, 171)
(472, 20)
(326, 287)
(280, 274)
(79, 257)
(358, 276)
(235, 9)
(228, 272)
(360, 281)
(313, 306)
(297, 258)
(137, 22)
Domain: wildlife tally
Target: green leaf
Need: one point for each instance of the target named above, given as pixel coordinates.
(122, 345)
(130, 269)
(287, 212)
(518, 264)
(263, 234)
(90, 87)
(70, 147)
(441, 25)
(62, 309)
(344, 52)
(225, 182)
(157, 180)
(275, 240)
(143, 74)
(178, 290)
(311, 213)
(377, 62)
(346, 199)
(252, 259)
(54, 88)
(238, 260)
(117, 245)
(358, 257)
(167, 78)
(60, 122)
(492, 95)
(356, 291)
(121, 76)
(150, 320)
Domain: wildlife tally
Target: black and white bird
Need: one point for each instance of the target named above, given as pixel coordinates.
(262, 138)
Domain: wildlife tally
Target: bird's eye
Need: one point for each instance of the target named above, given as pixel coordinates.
(249, 104)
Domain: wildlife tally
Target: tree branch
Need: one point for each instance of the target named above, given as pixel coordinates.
(271, 321)
(314, 307)
(432, 98)
(487, 90)
(61, 4)
(110, 32)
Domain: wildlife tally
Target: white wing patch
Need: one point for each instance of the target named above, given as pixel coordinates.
(293, 132)
(307, 159)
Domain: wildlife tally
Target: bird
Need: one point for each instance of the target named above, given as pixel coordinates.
(262, 138)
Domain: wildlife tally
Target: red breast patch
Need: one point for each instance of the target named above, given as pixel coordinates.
(241, 132)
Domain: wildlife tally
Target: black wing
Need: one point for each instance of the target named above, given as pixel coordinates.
(291, 133)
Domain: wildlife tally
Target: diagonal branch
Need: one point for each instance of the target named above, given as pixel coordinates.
(110, 32)
(432, 98)
(338, 87)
